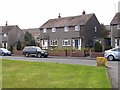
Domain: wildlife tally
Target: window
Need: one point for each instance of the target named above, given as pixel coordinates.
(117, 42)
(5, 35)
(66, 42)
(77, 28)
(95, 29)
(44, 30)
(53, 43)
(118, 26)
(53, 29)
(66, 29)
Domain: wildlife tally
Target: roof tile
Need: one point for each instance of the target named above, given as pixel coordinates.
(67, 21)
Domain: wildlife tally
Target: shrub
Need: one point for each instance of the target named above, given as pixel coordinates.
(18, 45)
(97, 47)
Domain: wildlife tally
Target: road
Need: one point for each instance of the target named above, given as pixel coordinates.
(112, 69)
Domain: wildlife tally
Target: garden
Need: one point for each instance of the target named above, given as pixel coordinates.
(24, 74)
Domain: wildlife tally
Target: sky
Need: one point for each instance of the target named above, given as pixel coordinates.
(34, 13)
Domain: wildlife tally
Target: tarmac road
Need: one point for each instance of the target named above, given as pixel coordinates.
(113, 69)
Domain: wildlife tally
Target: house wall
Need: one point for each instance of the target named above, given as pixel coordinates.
(0, 36)
(14, 35)
(90, 34)
(60, 34)
(115, 33)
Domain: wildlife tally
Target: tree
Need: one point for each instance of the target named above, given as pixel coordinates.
(29, 39)
(18, 45)
(104, 31)
(11, 48)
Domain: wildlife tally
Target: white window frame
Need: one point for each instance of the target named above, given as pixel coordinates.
(118, 26)
(44, 30)
(66, 29)
(52, 42)
(77, 28)
(68, 41)
(53, 29)
(5, 35)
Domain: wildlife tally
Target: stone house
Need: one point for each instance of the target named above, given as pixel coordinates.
(72, 32)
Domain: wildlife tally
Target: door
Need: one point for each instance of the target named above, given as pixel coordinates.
(76, 43)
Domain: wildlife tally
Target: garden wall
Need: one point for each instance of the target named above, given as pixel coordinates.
(68, 53)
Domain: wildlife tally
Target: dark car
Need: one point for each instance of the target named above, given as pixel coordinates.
(36, 51)
(4, 52)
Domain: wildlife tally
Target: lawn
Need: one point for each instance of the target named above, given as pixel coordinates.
(24, 74)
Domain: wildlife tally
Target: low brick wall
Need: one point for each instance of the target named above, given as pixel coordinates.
(77, 54)
(96, 54)
(15, 52)
(57, 54)
(68, 53)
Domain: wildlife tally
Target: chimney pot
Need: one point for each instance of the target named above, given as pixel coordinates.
(6, 23)
(83, 13)
(59, 16)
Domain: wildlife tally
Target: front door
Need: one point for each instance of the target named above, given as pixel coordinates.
(76, 43)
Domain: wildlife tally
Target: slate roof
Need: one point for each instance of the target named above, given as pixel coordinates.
(6, 29)
(67, 21)
(116, 19)
(32, 30)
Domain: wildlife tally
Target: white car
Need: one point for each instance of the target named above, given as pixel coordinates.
(5, 52)
(112, 54)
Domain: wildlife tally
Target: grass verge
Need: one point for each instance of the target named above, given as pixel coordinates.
(23, 74)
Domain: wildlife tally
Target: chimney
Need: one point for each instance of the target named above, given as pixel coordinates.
(6, 23)
(59, 16)
(83, 13)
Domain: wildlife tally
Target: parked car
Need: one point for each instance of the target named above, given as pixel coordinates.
(112, 54)
(36, 51)
(5, 52)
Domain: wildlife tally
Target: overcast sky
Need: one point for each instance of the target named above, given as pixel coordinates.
(34, 13)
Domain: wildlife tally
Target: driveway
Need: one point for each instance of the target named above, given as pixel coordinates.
(112, 70)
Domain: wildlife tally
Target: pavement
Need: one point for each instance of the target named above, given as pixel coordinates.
(113, 69)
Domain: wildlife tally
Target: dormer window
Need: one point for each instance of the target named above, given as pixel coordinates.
(118, 26)
(5, 35)
(77, 28)
(44, 30)
(66, 29)
(53, 29)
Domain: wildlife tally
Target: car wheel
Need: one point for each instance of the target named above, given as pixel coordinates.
(3, 54)
(39, 55)
(111, 58)
(27, 54)
(45, 56)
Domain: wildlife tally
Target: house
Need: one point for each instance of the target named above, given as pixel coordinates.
(35, 32)
(10, 35)
(105, 38)
(115, 30)
(72, 32)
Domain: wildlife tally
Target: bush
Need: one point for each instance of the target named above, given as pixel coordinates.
(19, 45)
(97, 47)
(10, 48)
